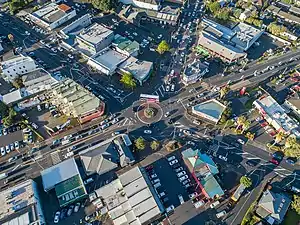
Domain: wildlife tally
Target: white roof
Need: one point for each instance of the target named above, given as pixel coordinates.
(109, 58)
(95, 33)
(59, 173)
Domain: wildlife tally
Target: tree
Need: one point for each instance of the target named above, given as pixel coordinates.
(275, 29)
(246, 181)
(246, 125)
(3, 110)
(128, 80)
(10, 118)
(224, 91)
(214, 7)
(240, 122)
(296, 203)
(140, 143)
(237, 13)
(257, 22)
(163, 47)
(290, 141)
(292, 147)
(103, 5)
(154, 145)
(18, 83)
(278, 138)
(223, 14)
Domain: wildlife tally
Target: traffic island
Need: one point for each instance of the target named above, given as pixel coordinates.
(149, 112)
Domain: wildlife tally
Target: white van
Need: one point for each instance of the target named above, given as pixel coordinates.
(213, 205)
(155, 181)
(220, 214)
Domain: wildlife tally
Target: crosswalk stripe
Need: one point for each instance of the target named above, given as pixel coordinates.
(279, 169)
(161, 93)
(249, 158)
(241, 153)
(163, 87)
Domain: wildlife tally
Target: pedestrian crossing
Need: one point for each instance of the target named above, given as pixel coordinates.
(55, 158)
(127, 122)
(160, 91)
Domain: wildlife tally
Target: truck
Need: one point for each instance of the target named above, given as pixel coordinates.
(238, 192)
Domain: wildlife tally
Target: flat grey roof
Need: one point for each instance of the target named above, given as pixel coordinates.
(109, 58)
(95, 33)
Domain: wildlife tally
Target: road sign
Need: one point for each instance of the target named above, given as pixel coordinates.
(149, 98)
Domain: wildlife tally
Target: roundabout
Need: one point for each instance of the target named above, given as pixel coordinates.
(149, 112)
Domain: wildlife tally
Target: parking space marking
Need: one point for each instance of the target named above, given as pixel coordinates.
(251, 158)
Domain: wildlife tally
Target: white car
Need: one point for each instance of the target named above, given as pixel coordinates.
(42, 42)
(147, 132)
(60, 49)
(173, 87)
(167, 114)
(3, 152)
(154, 175)
(220, 214)
(186, 181)
(77, 207)
(171, 158)
(181, 179)
(223, 158)
(187, 185)
(167, 88)
(180, 199)
(70, 56)
(53, 50)
(34, 126)
(7, 148)
(56, 217)
(26, 130)
(179, 169)
(213, 205)
(39, 108)
(193, 195)
(27, 33)
(173, 162)
(241, 141)
(182, 173)
(170, 208)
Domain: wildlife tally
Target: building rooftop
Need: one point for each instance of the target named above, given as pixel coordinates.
(211, 186)
(15, 61)
(52, 12)
(153, 2)
(125, 44)
(94, 34)
(211, 108)
(195, 67)
(138, 68)
(109, 58)
(59, 173)
(130, 199)
(288, 16)
(14, 96)
(277, 113)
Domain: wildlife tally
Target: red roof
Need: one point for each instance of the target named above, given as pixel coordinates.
(64, 7)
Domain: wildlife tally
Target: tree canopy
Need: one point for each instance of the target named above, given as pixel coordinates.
(292, 147)
(214, 7)
(154, 145)
(246, 181)
(140, 143)
(296, 203)
(104, 5)
(276, 29)
(163, 47)
(128, 80)
(10, 118)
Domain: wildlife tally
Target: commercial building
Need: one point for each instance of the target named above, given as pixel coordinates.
(95, 38)
(125, 46)
(203, 169)
(73, 100)
(106, 156)
(17, 66)
(293, 104)
(130, 199)
(229, 44)
(272, 207)
(144, 4)
(52, 15)
(276, 116)
(21, 205)
(139, 69)
(65, 179)
(193, 72)
(210, 110)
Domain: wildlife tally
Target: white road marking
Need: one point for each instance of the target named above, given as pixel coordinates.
(163, 87)
(279, 169)
(250, 158)
(241, 153)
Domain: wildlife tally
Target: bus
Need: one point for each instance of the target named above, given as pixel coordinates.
(238, 192)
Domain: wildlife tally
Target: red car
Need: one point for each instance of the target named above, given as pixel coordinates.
(264, 124)
(148, 168)
(274, 161)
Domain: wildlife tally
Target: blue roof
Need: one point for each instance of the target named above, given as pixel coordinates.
(211, 186)
(211, 107)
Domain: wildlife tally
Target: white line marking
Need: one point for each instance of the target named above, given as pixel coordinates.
(279, 169)
(252, 158)
(163, 87)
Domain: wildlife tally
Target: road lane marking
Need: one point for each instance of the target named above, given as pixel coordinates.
(250, 158)
(279, 169)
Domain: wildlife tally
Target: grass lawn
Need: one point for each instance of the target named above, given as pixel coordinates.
(291, 218)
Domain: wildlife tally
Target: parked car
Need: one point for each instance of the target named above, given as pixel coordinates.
(77, 207)
(173, 162)
(181, 179)
(193, 195)
(63, 213)
(181, 174)
(170, 209)
(89, 180)
(220, 214)
(56, 217)
(242, 142)
(3, 152)
(223, 158)
(171, 158)
(186, 181)
(34, 126)
(70, 210)
(154, 175)
(181, 200)
(179, 169)
(147, 132)
(213, 205)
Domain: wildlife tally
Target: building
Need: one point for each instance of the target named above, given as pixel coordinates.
(106, 156)
(193, 72)
(144, 4)
(95, 38)
(21, 205)
(276, 116)
(203, 169)
(272, 207)
(140, 70)
(52, 15)
(17, 66)
(14, 96)
(288, 17)
(107, 61)
(73, 100)
(293, 104)
(65, 179)
(76, 26)
(210, 110)
(246, 14)
(229, 44)
(130, 199)
(125, 46)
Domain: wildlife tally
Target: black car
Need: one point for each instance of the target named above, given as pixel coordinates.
(63, 213)
(251, 163)
(191, 99)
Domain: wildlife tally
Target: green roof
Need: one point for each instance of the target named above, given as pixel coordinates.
(70, 190)
(125, 44)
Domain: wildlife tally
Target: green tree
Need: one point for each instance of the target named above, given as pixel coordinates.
(163, 47)
(10, 118)
(140, 143)
(296, 203)
(154, 145)
(279, 137)
(246, 181)
(223, 14)
(292, 147)
(276, 29)
(237, 13)
(257, 22)
(104, 5)
(214, 7)
(290, 142)
(18, 83)
(224, 91)
(128, 80)
(246, 126)
(240, 121)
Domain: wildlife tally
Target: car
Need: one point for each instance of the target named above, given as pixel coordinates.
(278, 156)
(147, 132)
(70, 56)
(251, 163)
(242, 142)
(70, 210)
(196, 122)
(155, 181)
(77, 207)
(39, 108)
(173, 162)
(5, 131)
(48, 46)
(181, 179)
(42, 42)
(167, 114)
(198, 204)
(56, 217)
(181, 200)
(63, 213)
(166, 199)
(89, 180)
(185, 182)
(149, 168)
(193, 195)
(7, 149)
(290, 161)
(167, 88)
(181, 174)
(154, 175)
(213, 205)
(223, 158)
(54, 50)
(187, 185)
(12, 147)
(60, 49)
(173, 87)
(162, 194)
(170, 209)
(171, 158)
(178, 169)
(3, 152)
(34, 126)
(220, 214)
(274, 161)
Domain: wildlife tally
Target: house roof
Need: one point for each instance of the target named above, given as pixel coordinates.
(198, 160)
(211, 186)
(275, 204)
